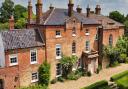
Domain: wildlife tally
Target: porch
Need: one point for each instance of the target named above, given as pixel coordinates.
(90, 61)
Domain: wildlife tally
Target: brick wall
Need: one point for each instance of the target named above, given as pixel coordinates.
(23, 69)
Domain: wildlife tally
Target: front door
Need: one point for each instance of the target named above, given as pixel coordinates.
(1, 84)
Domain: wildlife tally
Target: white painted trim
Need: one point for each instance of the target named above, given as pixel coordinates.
(12, 56)
(36, 80)
(35, 62)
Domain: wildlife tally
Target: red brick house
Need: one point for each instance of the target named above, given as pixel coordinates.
(53, 33)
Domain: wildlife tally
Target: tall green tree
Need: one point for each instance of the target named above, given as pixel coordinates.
(117, 16)
(6, 10)
(19, 11)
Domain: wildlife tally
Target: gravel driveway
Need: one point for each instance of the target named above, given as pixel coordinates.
(85, 81)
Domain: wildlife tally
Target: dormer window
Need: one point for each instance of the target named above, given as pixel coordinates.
(58, 34)
(74, 31)
(87, 32)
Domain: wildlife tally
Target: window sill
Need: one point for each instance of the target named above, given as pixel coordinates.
(87, 34)
(73, 53)
(73, 35)
(34, 62)
(87, 51)
(58, 76)
(13, 64)
(58, 57)
(59, 36)
(33, 81)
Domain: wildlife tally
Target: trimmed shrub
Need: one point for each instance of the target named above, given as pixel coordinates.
(34, 87)
(44, 74)
(118, 76)
(54, 81)
(123, 57)
(89, 73)
(72, 76)
(60, 79)
(97, 85)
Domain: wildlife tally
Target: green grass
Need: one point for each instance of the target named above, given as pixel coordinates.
(123, 82)
(98, 85)
(121, 79)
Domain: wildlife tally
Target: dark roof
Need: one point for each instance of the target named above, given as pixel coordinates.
(58, 16)
(106, 21)
(16, 39)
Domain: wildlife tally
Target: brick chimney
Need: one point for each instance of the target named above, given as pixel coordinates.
(29, 11)
(51, 7)
(79, 10)
(88, 11)
(11, 23)
(70, 8)
(98, 10)
(38, 11)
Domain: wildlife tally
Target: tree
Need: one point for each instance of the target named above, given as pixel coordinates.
(19, 12)
(44, 74)
(6, 10)
(67, 64)
(117, 16)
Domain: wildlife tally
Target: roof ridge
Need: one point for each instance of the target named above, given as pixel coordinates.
(49, 16)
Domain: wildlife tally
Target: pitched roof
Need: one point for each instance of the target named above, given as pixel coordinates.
(16, 39)
(58, 16)
(106, 21)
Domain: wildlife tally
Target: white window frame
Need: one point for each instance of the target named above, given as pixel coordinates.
(87, 48)
(59, 46)
(74, 31)
(96, 37)
(13, 56)
(74, 46)
(36, 80)
(60, 71)
(87, 32)
(33, 50)
(58, 35)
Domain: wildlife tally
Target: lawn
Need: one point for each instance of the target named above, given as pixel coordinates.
(121, 79)
(123, 82)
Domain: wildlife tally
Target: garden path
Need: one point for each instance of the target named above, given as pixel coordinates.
(105, 74)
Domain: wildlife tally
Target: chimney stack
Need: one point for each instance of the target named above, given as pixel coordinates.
(38, 11)
(88, 11)
(51, 7)
(98, 10)
(11, 23)
(29, 11)
(70, 8)
(79, 10)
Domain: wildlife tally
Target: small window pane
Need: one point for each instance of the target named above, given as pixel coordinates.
(58, 69)
(33, 55)
(73, 47)
(58, 50)
(58, 33)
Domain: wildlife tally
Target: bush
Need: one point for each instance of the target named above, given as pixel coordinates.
(72, 76)
(60, 79)
(89, 73)
(35, 87)
(122, 58)
(116, 63)
(97, 85)
(97, 71)
(44, 74)
(54, 81)
(118, 76)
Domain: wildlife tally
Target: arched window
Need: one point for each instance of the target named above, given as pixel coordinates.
(73, 47)
(74, 31)
(110, 40)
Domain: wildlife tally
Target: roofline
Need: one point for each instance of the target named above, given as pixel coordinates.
(24, 48)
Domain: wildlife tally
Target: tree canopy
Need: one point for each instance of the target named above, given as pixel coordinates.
(117, 16)
(6, 10)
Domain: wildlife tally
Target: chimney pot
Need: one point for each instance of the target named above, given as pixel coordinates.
(70, 8)
(79, 10)
(98, 10)
(88, 11)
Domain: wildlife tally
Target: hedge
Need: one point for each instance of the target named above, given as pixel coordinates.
(118, 76)
(97, 85)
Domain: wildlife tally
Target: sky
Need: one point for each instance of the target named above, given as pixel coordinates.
(106, 5)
